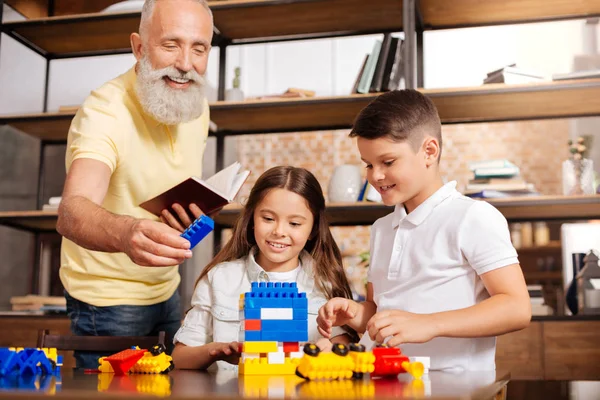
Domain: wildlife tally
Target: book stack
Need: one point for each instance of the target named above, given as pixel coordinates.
(38, 303)
(512, 75)
(497, 178)
(381, 70)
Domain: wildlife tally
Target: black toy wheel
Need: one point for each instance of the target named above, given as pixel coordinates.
(340, 349)
(359, 348)
(170, 368)
(158, 349)
(311, 349)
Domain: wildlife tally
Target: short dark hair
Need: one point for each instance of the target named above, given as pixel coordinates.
(400, 115)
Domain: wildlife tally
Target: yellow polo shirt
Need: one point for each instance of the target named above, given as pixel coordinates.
(145, 158)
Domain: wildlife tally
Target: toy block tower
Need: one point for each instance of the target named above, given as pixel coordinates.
(273, 322)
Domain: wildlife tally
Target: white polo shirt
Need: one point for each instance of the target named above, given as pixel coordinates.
(430, 260)
(215, 317)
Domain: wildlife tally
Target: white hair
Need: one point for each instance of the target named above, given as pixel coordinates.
(148, 8)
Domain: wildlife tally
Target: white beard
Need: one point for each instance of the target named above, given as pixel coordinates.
(168, 105)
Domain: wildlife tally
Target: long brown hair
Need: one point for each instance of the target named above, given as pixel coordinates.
(327, 258)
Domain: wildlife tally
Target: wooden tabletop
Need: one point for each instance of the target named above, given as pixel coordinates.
(181, 384)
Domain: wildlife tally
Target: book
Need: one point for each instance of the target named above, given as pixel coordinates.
(360, 74)
(393, 55)
(367, 76)
(377, 81)
(501, 163)
(512, 75)
(210, 195)
(507, 172)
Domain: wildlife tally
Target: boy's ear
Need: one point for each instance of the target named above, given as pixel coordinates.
(431, 148)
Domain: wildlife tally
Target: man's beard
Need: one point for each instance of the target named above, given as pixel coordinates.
(168, 105)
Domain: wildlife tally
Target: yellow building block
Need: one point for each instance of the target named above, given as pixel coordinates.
(260, 347)
(241, 303)
(326, 366)
(363, 361)
(260, 366)
(150, 364)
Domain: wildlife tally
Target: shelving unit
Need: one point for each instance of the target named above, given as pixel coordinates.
(259, 21)
(346, 214)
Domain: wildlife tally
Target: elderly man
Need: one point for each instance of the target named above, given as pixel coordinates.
(133, 138)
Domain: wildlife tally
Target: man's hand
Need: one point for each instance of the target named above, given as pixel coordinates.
(182, 219)
(401, 327)
(225, 351)
(336, 312)
(150, 243)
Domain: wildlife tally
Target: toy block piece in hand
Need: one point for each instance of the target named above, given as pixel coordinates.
(198, 230)
(124, 360)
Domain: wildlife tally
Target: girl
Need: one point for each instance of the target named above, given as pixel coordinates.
(282, 235)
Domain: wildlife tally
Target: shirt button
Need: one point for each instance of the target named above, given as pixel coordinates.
(221, 313)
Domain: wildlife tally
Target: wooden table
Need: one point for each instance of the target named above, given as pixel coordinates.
(181, 384)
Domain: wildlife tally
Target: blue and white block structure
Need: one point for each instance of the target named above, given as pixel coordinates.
(273, 322)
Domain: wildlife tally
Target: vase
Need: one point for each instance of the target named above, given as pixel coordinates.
(578, 177)
(345, 183)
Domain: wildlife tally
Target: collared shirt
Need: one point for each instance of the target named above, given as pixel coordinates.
(145, 159)
(430, 260)
(214, 316)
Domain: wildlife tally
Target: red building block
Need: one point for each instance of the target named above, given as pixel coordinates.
(290, 347)
(388, 361)
(252, 325)
(124, 360)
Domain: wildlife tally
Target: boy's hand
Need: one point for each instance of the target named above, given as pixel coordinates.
(401, 327)
(336, 312)
(225, 351)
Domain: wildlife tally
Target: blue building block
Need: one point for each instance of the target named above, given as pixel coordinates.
(270, 336)
(300, 314)
(252, 336)
(251, 313)
(10, 362)
(198, 230)
(278, 325)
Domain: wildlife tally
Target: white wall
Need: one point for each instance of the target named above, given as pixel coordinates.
(329, 66)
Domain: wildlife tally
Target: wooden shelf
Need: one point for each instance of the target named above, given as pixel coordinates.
(485, 103)
(236, 22)
(348, 214)
(254, 21)
(443, 14)
(33, 221)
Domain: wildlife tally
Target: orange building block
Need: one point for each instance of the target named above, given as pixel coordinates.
(252, 325)
(291, 347)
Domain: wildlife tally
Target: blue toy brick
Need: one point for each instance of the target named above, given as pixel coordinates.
(252, 336)
(284, 325)
(10, 362)
(251, 313)
(300, 314)
(198, 230)
(282, 336)
(301, 302)
(274, 287)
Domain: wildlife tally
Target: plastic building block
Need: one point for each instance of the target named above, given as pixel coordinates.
(330, 365)
(252, 325)
(277, 313)
(19, 361)
(10, 362)
(260, 347)
(155, 361)
(423, 360)
(289, 347)
(198, 230)
(391, 361)
(260, 366)
(122, 361)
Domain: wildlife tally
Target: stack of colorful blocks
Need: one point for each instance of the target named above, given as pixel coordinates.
(274, 320)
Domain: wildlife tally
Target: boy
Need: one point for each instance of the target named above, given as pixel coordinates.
(444, 278)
